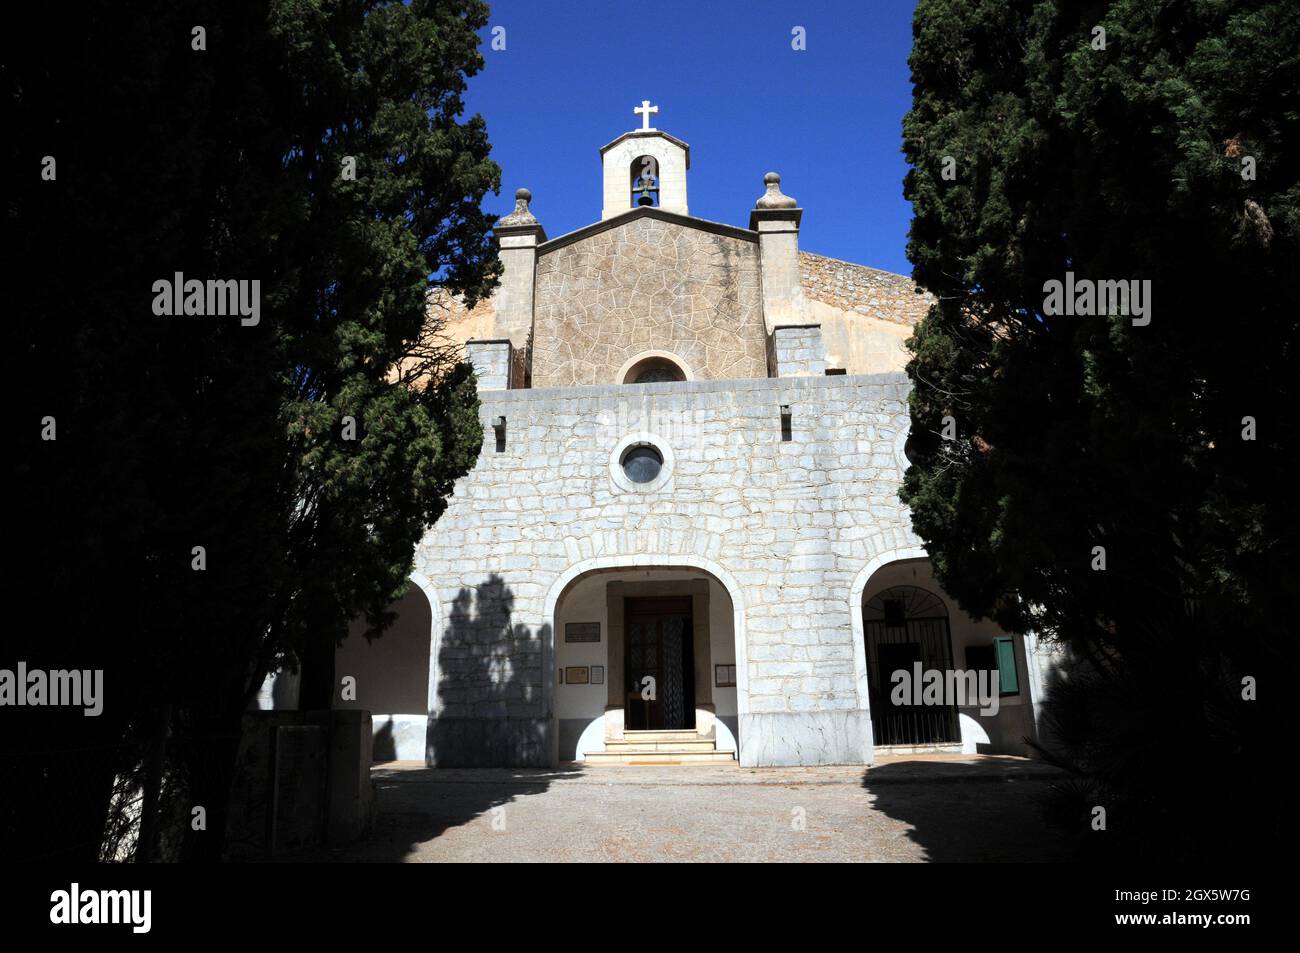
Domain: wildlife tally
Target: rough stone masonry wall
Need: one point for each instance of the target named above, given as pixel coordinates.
(849, 287)
(648, 285)
(792, 523)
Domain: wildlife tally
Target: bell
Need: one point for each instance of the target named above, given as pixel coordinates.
(645, 198)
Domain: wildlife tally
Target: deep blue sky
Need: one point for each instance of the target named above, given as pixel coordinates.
(829, 119)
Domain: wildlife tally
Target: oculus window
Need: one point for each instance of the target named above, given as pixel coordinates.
(642, 463)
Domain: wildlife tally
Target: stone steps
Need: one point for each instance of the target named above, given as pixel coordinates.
(666, 734)
(662, 747)
(635, 746)
(711, 756)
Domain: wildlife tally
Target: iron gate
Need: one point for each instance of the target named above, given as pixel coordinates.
(904, 625)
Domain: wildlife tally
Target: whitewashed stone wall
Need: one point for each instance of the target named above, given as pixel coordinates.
(799, 351)
(787, 526)
(491, 362)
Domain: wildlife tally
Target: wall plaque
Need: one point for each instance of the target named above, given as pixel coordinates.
(724, 676)
(576, 675)
(598, 675)
(582, 631)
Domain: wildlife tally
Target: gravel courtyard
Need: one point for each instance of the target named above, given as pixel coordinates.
(929, 808)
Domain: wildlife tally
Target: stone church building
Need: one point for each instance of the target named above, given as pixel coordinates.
(682, 541)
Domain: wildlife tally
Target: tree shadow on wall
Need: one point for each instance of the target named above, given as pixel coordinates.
(490, 743)
(489, 686)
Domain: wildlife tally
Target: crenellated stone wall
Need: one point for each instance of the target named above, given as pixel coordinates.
(787, 525)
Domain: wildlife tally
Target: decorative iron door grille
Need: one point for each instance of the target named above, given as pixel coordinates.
(905, 625)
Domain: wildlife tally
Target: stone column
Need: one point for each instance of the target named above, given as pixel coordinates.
(776, 218)
(518, 235)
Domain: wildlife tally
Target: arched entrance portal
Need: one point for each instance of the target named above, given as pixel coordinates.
(901, 615)
(390, 677)
(645, 667)
(906, 630)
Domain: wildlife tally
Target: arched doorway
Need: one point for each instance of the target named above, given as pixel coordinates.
(1000, 721)
(645, 666)
(390, 677)
(906, 630)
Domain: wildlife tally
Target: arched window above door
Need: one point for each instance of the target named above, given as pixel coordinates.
(653, 367)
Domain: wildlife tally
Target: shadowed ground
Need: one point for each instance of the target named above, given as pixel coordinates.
(946, 808)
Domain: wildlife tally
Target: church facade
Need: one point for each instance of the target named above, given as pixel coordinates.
(682, 541)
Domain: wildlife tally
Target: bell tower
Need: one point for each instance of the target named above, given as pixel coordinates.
(645, 167)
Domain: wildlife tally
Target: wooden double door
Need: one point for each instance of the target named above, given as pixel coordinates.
(659, 671)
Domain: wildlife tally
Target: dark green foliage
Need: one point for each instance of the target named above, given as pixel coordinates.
(1078, 432)
(175, 432)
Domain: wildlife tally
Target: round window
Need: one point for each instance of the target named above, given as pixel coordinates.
(642, 463)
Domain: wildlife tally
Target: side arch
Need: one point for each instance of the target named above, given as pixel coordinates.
(389, 671)
(860, 581)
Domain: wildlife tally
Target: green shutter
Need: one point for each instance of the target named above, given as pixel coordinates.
(1006, 655)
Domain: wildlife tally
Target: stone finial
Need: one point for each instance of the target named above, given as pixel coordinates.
(773, 198)
(521, 215)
